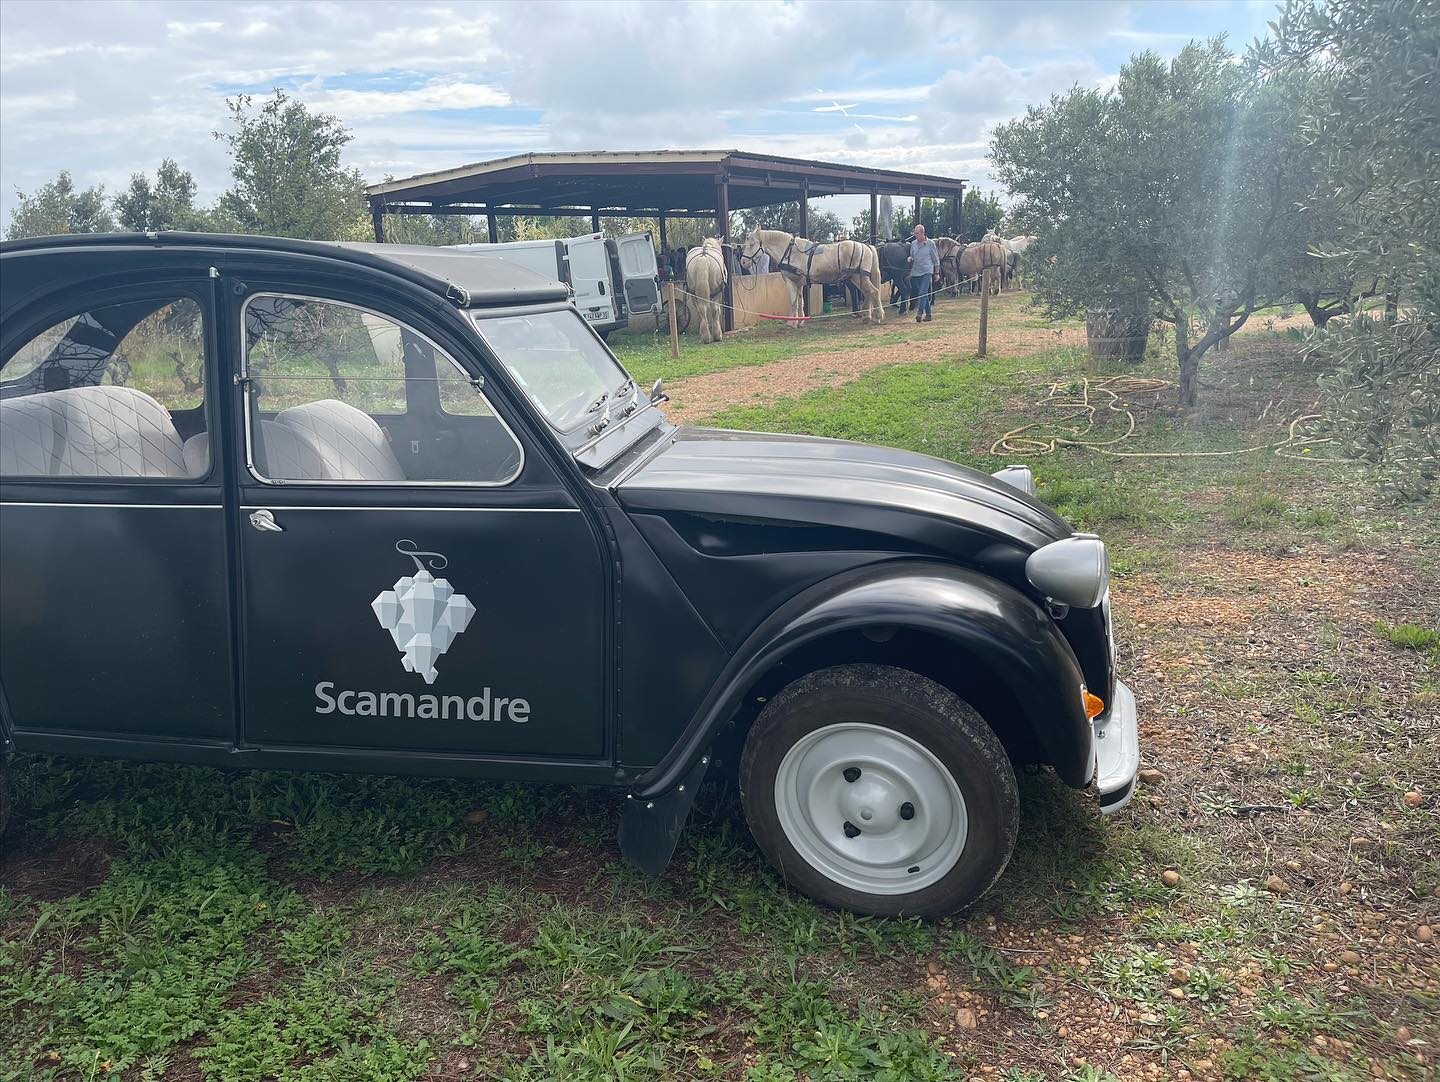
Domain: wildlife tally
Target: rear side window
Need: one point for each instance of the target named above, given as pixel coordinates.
(114, 392)
(339, 394)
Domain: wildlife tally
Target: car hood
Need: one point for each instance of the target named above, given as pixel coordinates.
(810, 480)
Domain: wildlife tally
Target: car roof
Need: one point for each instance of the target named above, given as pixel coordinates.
(467, 277)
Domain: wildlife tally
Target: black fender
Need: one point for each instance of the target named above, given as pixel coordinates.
(1012, 636)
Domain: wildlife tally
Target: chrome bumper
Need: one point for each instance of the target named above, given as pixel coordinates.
(1117, 751)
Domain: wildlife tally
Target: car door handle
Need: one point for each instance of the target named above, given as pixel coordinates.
(265, 522)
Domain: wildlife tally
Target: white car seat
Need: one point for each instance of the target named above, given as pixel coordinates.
(100, 431)
(351, 443)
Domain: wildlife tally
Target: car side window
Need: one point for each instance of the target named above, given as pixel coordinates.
(340, 394)
(113, 392)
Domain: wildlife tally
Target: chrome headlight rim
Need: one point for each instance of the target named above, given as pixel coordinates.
(1073, 571)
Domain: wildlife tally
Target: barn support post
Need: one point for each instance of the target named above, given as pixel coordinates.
(874, 217)
(664, 240)
(957, 213)
(594, 220)
(377, 219)
(722, 220)
(805, 232)
(918, 220)
(490, 226)
(984, 312)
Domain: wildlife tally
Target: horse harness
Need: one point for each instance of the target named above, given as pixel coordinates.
(784, 264)
(719, 262)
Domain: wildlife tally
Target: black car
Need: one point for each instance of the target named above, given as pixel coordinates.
(269, 503)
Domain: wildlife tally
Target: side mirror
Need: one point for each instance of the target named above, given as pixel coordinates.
(657, 392)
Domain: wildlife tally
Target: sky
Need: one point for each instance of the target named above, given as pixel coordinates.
(109, 88)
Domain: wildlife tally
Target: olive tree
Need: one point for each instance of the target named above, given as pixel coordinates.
(1175, 193)
(1375, 126)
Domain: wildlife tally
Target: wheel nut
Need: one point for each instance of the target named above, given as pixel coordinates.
(851, 830)
(852, 774)
(907, 810)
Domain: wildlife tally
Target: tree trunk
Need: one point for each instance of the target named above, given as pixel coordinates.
(1189, 365)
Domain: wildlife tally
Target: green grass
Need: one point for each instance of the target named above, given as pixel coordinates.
(304, 926)
(647, 356)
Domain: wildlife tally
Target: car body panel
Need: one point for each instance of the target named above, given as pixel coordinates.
(632, 603)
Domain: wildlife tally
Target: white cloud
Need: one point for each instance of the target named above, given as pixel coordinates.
(106, 87)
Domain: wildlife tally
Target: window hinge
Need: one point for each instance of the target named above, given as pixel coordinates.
(478, 382)
(214, 272)
(243, 381)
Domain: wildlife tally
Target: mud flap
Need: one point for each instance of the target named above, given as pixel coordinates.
(650, 829)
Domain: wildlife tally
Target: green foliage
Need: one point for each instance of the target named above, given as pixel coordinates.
(58, 207)
(286, 172)
(823, 225)
(1371, 120)
(167, 203)
(1177, 192)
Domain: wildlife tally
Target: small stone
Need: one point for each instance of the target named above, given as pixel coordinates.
(1402, 1034)
(1330, 967)
(1151, 775)
(1346, 887)
(933, 969)
(1424, 933)
(476, 817)
(1413, 799)
(1350, 958)
(1180, 975)
(1170, 877)
(463, 1065)
(1177, 993)
(1276, 885)
(966, 1018)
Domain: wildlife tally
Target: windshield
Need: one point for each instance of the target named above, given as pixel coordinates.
(572, 378)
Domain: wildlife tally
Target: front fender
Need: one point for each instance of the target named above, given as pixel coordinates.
(995, 624)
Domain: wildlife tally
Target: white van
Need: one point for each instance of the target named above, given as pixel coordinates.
(613, 280)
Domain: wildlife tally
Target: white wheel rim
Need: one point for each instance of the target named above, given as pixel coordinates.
(870, 808)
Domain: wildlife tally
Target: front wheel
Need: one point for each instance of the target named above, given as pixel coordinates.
(878, 790)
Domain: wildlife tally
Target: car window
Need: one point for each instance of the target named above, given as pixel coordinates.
(558, 362)
(113, 392)
(336, 393)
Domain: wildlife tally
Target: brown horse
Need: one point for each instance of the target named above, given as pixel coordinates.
(975, 259)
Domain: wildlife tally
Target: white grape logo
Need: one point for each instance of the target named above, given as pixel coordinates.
(422, 613)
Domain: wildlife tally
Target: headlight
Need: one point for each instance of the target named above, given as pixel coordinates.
(1017, 477)
(1074, 570)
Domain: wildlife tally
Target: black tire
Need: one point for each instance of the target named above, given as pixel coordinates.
(927, 713)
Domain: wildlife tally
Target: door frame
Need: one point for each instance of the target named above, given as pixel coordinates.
(435, 321)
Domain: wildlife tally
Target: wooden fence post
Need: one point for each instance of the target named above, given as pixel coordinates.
(984, 310)
(674, 330)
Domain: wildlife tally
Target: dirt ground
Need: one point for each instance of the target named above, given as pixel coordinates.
(1014, 331)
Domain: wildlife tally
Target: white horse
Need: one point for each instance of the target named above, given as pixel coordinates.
(705, 275)
(1016, 247)
(805, 261)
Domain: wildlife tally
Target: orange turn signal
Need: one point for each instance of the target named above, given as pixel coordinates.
(1094, 705)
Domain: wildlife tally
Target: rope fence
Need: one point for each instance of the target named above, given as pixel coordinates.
(807, 319)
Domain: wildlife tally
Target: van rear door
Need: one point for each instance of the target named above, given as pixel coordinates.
(590, 275)
(638, 269)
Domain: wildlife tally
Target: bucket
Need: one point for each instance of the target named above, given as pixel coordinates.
(1117, 334)
(826, 307)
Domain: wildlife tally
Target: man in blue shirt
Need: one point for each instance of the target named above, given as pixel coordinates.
(924, 262)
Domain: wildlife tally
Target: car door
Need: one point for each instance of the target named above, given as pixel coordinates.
(590, 278)
(414, 574)
(639, 270)
(114, 583)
